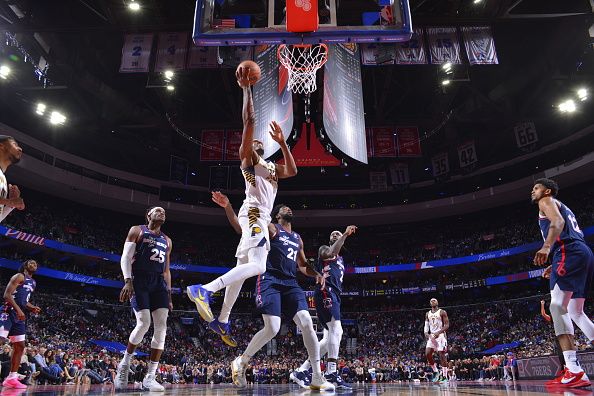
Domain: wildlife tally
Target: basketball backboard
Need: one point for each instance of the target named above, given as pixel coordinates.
(256, 22)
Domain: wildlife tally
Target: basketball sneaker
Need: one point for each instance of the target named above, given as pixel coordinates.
(300, 378)
(336, 379)
(224, 330)
(319, 383)
(574, 380)
(121, 379)
(13, 383)
(238, 372)
(557, 379)
(202, 298)
(435, 377)
(150, 383)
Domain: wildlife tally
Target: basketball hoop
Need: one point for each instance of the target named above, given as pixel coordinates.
(302, 62)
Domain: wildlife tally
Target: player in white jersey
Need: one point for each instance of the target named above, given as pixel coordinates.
(10, 196)
(261, 183)
(436, 325)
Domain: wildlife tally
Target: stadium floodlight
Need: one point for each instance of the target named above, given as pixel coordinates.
(169, 74)
(4, 72)
(57, 118)
(582, 94)
(447, 67)
(445, 82)
(477, 1)
(568, 106)
(134, 6)
(170, 87)
(40, 109)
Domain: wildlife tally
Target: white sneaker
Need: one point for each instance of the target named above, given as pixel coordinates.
(150, 383)
(121, 379)
(238, 372)
(319, 383)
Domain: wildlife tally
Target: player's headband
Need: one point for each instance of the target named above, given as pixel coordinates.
(153, 210)
(336, 231)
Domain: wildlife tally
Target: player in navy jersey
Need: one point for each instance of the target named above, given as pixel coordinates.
(327, 300)
(10, 195)
(572, 266)
(145, 266)
(13, 318)
(277, 292)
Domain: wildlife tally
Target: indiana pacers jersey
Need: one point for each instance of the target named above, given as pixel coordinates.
(435, 322)
(261, 185)
(151, 252)
(282, 257)
(571, 230)
(3, 190)
(334, 267)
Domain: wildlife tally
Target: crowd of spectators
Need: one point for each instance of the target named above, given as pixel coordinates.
(376, 346)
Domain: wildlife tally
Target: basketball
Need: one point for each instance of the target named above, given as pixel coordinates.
(254, 70)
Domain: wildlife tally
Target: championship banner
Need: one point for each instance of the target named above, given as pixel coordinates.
(440, 164)
(232, 144)
(467, 154)
(443, 45)
(480, 46)
(377, 54)
(525, 133)
(409, 144)
(212, 145)
(272, 99)
(383, 142)
(343, 115)
(136, 53)
(412, 52)
(172, 51)
(399, 174)
(202, 58)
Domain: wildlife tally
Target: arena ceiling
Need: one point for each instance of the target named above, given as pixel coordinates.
(544, 49)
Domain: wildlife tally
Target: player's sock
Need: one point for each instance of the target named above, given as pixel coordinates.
(444, 372)
(571, 361)
(434, 367)
(231, 293)
(245, 359)
(331, 367)
(305, 366)
(13, 374)
(126, 359)
(152, 368)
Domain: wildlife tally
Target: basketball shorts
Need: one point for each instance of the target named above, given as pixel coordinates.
(254, 231)
(327, 306)
(275, 297)
(150, 291)
(440, 344)
(11, 327)
(572, 268)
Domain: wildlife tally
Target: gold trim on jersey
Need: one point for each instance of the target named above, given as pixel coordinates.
(249, 177)
(253, 215)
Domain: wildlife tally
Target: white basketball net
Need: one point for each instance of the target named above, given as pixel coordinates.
(302, 62)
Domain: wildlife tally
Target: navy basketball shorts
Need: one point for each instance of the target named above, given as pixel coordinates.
(572, 268)
(275, 297)
(150, 292)
(327, 306)
(11, 327)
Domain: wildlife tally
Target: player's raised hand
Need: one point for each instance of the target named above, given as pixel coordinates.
(220, 199)
(14, 193)
(350, 230)
(127, 291)
(242, 74)
(276, 132)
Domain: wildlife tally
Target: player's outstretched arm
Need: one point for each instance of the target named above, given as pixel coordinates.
(289, 169)
(223, 201)
(126, 262)
(327, 252)
(246, 151)
(306, 267)
(15, 281)
(548, 206)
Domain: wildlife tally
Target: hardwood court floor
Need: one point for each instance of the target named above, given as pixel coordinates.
(496, 388)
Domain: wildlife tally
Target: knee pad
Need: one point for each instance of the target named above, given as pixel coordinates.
(143, 322)
(160, 323)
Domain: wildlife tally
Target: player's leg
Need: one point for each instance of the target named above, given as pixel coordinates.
(255, 265)
(581, 287)
(18, 346)
(443, 360)
(564, 327)
(157, 346)
(306, 365)
(429, 354)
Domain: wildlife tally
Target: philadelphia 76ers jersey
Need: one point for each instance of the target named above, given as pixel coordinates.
(151, 252)
(571, 231)
(22, 294)
(282, 257)
(334, 268)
